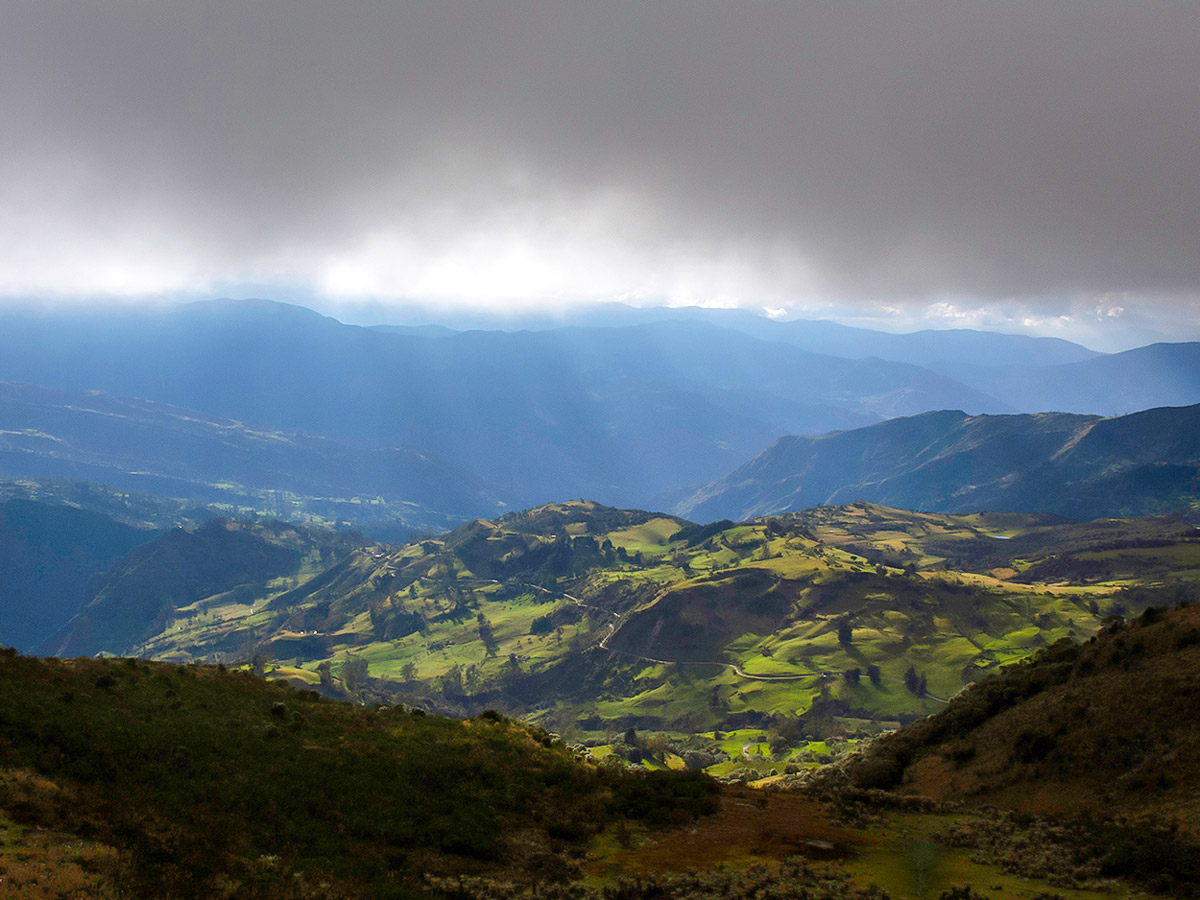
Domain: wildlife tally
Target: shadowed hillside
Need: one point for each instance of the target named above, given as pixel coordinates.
(1108, 724)
(1082, 467)
(217, 562)
(197, 782)
(48, 554)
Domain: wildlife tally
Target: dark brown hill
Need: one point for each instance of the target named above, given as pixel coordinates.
(1100, 728)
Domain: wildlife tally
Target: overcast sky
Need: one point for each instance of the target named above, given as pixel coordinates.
(1004, 164)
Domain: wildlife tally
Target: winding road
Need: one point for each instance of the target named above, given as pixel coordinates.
(618, 620)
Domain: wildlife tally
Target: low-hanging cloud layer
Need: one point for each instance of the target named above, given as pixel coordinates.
(950, 158)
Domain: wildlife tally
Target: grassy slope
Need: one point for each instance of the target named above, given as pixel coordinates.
(596, 620)
(131, 778)
(1104, 725)
(186, 570)
(205, 782)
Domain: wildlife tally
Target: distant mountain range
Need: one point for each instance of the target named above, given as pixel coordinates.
(616, 413)
(1081, 467)
(1121, 383)
(946, 351)
(227, 401)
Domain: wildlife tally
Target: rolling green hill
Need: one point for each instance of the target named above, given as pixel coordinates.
(732, 646)
(181, 573)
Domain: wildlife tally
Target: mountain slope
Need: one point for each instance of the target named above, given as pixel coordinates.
(48, 554)
(1104, 725)
(219, 562)
(182, 453)
(1078, 466)
(1112, 385)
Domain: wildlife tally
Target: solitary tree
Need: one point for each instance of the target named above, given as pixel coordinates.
(487, 635)
(260, 661)
(452, 682)
(354, 673)
(845, 632)
(910, 679)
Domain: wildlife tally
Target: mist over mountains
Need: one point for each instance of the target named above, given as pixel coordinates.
(161, 449)
(224, 400)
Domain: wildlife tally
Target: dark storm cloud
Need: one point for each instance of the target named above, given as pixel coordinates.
(899, 151)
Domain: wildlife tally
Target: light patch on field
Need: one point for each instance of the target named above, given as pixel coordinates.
(650, 536)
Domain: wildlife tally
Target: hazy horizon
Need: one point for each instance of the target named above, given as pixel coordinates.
(1022, 167)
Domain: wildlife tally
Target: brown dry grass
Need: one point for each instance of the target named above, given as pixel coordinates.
(1124, 735)
(753, 826)
(45, 865)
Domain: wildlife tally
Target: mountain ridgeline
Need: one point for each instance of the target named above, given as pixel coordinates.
(274, 409)
(1081, 467)
(615, 413)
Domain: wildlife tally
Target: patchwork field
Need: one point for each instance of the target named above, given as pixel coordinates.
(828, 625)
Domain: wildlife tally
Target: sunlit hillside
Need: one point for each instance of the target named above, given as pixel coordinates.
(756, 647)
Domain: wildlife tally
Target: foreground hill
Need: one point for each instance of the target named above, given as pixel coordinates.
(125, 778)
(1082, 467)
(48, 554)
(196, 782)
(1094, 729)
(745, 646)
